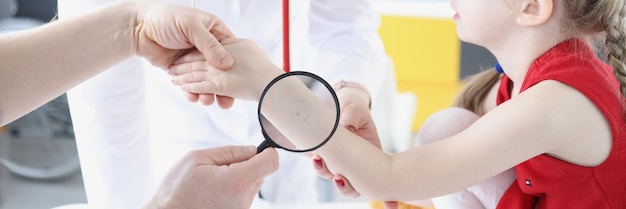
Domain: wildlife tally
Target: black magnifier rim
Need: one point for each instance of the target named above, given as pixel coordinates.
(268, 141)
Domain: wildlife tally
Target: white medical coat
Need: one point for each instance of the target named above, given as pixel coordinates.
(131, 124)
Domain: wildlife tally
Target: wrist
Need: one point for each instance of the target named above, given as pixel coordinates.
(355, 90)
(132, 22)
(266, 80)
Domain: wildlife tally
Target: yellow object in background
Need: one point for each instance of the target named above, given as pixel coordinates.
(401, 205)
(426, 56)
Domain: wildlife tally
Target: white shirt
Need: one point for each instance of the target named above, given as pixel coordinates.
(131, 124)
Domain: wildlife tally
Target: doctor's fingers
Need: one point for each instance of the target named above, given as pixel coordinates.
(206, 35)
(344, 187)
(256, 168)
(321, 169)
(391, 204)
(224, 155)
(341, 183)
(356, 115)
(358, 120)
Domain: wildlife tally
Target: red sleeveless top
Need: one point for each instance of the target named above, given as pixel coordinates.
(545, 182)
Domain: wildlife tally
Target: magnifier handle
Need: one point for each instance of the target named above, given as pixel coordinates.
(264, 145)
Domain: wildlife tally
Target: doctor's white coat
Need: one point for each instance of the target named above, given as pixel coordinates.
(131, 124)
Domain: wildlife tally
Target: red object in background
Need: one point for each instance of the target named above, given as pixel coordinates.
(286, 63)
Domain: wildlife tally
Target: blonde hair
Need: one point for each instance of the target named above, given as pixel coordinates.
(475, 89)
(602, 16)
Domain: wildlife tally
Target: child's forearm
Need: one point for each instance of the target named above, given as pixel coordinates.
(419, 173)
(304, 120)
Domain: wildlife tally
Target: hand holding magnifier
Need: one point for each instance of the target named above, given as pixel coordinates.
(320, 88)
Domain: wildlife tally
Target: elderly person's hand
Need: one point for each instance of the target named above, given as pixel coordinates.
(223, 177)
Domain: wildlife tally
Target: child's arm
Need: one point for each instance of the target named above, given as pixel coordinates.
(508, 135)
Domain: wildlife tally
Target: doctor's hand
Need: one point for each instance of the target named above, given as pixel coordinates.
(355, 113)
(167, 32)
(223, 177)
(356, 117)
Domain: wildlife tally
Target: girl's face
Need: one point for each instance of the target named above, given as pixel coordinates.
(483, 22)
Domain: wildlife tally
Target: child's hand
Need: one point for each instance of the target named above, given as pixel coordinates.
(247, 78)
(224, 102)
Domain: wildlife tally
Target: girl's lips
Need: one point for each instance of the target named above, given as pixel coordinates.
(456, 16)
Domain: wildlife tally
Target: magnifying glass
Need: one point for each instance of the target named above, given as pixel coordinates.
(323, 91)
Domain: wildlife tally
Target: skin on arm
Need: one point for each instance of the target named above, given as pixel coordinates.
(506, 136)
(478, 96)
(70, 51)
(355, 113)
(355, 117)
(480, 146)
(350, 49)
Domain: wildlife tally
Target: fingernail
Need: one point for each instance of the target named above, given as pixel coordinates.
(352, 129)
(340, 183)
(318, 163)
(226, 59)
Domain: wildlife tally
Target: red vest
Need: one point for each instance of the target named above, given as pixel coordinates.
(545, 182)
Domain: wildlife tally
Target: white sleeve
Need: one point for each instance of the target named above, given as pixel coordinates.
(111, 129)
(344, 34)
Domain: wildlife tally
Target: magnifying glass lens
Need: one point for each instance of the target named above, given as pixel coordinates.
(323, 129)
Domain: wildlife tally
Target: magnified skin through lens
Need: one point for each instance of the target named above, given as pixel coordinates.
(294, 108)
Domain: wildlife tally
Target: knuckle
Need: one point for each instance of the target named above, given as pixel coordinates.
(193, 156)
(204, 87)
(212, 43)
(192, 77)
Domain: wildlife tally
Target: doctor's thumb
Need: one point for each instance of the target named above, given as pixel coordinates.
(268, 158)
(261, 165)
(212, 49)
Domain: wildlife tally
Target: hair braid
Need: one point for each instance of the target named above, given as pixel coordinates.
(615, 43)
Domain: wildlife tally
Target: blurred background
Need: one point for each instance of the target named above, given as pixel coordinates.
(40, 168)
(38, 154)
